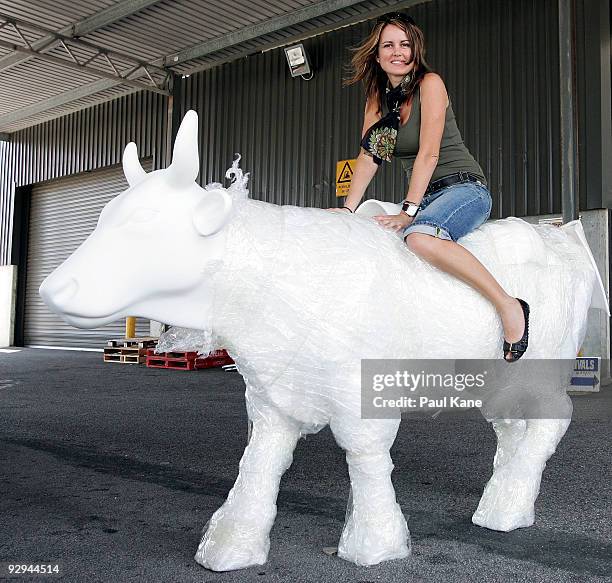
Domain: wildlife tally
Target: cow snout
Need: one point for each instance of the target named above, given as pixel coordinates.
(57, 293)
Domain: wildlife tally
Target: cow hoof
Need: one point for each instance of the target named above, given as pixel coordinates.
(508, 500)
(371, 540)
(229, 545)
(230, 558)
(503, 523)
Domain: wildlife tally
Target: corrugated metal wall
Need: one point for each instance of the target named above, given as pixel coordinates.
(500, 62)
(87, 140)
(498, 58)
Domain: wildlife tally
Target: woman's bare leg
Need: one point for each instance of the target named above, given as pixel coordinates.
(458, 261)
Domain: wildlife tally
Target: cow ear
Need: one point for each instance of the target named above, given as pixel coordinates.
(134, 173)
(212, 212)
(185, 157)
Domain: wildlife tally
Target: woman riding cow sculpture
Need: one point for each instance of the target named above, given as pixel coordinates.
(408, 114)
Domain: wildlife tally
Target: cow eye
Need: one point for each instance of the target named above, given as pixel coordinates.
(142, 215)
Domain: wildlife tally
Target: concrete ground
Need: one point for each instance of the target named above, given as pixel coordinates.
(112, 471)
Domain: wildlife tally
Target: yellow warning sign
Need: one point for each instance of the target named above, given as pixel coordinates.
(344, 175)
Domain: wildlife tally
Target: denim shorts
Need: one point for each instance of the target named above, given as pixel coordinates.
(453, 211)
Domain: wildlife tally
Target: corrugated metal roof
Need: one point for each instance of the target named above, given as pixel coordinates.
(43, 80)
(34, 90)
(53, 13)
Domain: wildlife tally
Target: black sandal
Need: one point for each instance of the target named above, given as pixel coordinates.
(517, 349)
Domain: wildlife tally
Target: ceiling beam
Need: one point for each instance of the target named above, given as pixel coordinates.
(262, 28)
(100, 19)
(111, 14)
(68, 42)
(78, 67)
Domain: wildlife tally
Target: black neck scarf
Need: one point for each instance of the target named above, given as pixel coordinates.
(379, 140)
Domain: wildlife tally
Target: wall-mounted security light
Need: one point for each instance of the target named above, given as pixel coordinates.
(298, 61)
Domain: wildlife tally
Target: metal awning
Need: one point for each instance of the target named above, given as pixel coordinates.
(59, 56)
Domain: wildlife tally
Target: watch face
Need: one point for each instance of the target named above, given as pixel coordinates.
(410, 209)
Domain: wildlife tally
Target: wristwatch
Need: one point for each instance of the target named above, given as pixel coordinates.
(410, 208)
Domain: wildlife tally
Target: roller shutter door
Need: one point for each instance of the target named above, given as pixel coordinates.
(62, 215)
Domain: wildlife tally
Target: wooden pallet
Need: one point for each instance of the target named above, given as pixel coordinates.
(144, 342)
(125, 354)
(172, 360)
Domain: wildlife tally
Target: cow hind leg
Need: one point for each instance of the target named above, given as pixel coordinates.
(238, 533)
(508, 500)
(375, 529)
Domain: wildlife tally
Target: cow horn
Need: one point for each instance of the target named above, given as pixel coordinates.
(134, 172)
(185, 157)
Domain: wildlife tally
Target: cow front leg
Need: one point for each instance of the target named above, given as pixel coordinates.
(375, 529)
(508, 500)
(238, 534)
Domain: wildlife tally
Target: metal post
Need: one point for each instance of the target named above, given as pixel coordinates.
(569, 167)
(174, 115)
(177, 99)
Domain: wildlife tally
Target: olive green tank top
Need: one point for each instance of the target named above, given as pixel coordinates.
(454, 156)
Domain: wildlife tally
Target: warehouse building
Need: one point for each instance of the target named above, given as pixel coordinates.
(529, 80)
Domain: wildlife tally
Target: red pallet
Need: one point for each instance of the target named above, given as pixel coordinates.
(186, 360)
(214, 359)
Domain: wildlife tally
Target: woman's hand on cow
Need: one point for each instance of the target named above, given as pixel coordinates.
(394, 222)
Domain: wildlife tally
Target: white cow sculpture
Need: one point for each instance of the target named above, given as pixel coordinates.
(298, 296)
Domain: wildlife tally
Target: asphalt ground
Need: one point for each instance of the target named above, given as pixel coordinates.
(112, 471)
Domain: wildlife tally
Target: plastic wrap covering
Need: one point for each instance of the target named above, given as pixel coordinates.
(298, 297)
(303, 295)
(284, 271)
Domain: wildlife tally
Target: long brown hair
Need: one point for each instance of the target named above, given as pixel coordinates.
(364, 67)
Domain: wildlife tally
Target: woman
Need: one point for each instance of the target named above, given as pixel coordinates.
(408, 114)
